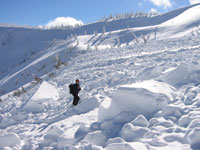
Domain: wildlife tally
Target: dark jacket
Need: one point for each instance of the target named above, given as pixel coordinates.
(76, 89)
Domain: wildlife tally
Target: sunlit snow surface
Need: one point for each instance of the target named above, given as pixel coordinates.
(135, 97)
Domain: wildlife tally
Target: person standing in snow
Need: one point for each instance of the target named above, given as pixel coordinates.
(74, 90)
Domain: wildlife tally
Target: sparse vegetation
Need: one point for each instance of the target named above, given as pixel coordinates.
(131, 15)
(23, 61)
(144, 38)
(7, 38)
(70, 49)
(17, 92)
(88, 46)
(118, 42)
(104, 30)
(32, 53)
(41, 68)
(95, 33)
(51, 75)
(58, 62)
(17, 82)
(96, 47)
(36, 79)
(23, 90)
(77, 41)
(2, 92)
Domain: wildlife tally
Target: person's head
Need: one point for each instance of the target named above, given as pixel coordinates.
(77, 81)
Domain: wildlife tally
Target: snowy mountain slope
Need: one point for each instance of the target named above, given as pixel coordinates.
(47, 123)
(42, 64)
(144, 21)
(187, 17)
(134, 95)
(184, 23)
(27, 51)
(21, 44)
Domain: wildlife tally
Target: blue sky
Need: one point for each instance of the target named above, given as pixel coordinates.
(40, 12)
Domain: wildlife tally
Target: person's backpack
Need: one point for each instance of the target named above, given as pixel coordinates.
(71, 88)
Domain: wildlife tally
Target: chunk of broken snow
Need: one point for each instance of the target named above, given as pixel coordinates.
(37, 102)
(52, 135)
(140, 121)
(96, 138)
(129, 101)
(194, 138)
(127, 146)
(9, 140)
(46, 91)
(133, 133)
(183, 74)
(172, 110)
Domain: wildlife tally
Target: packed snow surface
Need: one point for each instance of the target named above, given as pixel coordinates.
(136, 94)
(129, 101)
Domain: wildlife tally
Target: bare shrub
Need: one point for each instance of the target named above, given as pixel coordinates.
(17, 93)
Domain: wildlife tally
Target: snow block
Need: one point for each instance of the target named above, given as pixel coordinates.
(81, 132)
(115, 140)
(52, 135)
(54, 132)
(127, 146)
(194, 138)
(124, 146)
(133, 133)
(183, 74)
(46, 91)
(96, 138)
(34, 107)
(85, 145)
(39, 100)
(70, 147)
(172, 110)
(184, 121)
(140, 121)
(9, 140)
(129, 101)
(194, 123)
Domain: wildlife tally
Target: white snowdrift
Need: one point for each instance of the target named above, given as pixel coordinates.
(96, 138)
(129, 101)
(127, 146)
(10, 140)
(183, 74)
(184, 23)
(38, 101)
(194, 138)
(53, 133)
(189, 16)
(130, 132)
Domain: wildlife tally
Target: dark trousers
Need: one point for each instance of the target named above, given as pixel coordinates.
(76, 99)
